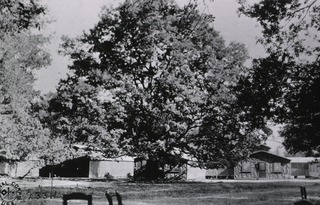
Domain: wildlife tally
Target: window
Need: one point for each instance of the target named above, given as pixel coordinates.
(137, 164)
(262, 166)
(277, 167)
(313, 168)
(246, 167)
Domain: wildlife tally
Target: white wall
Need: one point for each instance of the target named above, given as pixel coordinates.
(23, 167)
(195, 173)
(117, 169)
(19, 169)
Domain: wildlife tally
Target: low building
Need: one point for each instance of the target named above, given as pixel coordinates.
(93, 164)
(304, 167)
(173, 169)
(260, 165)
(196, 173)
(78, 167)
(90, 167)
(314, 168)
(120, 167)
(220, 173)
(263, 165)
(16, 169)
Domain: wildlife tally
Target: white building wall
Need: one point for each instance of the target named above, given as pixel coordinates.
(117, 169)
(23, 168)
(196, 173)
(19, 169)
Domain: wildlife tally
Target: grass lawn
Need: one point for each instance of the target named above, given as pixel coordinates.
(239, 193)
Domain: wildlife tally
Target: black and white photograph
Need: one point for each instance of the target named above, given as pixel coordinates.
(160, 102)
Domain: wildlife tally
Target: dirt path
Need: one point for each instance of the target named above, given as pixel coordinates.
(29, 183)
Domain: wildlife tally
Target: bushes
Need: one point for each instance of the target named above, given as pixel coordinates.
(108, 176)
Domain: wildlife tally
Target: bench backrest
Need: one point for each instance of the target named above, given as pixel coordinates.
(79, 196)
(117, 195)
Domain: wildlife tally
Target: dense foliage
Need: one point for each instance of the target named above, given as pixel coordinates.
(285, 84)
(21, 52)
(19, 15)
(153, 79)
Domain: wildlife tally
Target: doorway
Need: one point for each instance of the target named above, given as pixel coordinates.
(262, 170)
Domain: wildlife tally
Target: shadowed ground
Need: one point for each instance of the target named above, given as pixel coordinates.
(201, 193)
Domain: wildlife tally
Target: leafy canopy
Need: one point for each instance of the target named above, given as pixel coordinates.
(285, 84)
(153, 79)
(20, 15)
(21, 52)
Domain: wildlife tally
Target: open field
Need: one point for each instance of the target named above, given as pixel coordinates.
(200, 193)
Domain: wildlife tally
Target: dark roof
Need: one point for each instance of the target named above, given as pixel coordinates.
(256, 154)
(264, 147)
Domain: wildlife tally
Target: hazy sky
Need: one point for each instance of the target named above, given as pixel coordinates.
(72, 17)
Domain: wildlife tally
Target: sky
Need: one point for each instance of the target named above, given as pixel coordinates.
(72, 17)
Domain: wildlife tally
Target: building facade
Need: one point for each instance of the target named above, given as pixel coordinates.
(18, 169)
(259, 165)
(263, 165)
(89, 167)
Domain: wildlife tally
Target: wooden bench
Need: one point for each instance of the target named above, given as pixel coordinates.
(303, 192)
(303, 200)
(117, 195)
(77, 196)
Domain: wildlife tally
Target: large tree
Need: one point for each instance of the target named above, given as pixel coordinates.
(153, 79)
(21, 52)
(285, 84)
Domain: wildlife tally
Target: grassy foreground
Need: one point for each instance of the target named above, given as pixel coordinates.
(217, 193)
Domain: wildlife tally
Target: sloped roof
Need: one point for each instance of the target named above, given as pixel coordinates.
(97, 155)
(265, 153)
(302, 159)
